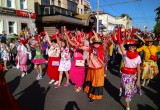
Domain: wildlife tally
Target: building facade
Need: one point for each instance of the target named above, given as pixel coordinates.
(125, 22)
(106, 22)
(16, 15)
(53, 14)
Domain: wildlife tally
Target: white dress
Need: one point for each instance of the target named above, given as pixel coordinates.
(4, 54)
(65, 61)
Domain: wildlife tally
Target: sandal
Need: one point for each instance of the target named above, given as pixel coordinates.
(67, 83)
(78, 89)
(56, 87)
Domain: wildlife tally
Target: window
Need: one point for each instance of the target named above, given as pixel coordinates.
(72, 6)
(11, 3)
(59, 3)
(81, 2)
(47, 10)
(1, 26)
(23, 4)
(24, 26)
(45, 2)
(12, 27)
(0, 2)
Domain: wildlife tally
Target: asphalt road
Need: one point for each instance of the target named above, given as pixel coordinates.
(39, 95)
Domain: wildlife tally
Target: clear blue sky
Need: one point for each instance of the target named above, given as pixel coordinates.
(141, 12)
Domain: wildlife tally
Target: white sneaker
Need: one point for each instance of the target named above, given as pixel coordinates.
(56, 82)
(22, 75)
(39, 77)
(50, 82)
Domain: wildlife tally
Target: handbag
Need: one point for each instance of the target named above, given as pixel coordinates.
(154, 57)
(55, 63)
(79, 63)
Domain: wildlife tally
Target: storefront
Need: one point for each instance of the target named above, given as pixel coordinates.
(13, 21)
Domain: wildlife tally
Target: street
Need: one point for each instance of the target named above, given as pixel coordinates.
(39, 95)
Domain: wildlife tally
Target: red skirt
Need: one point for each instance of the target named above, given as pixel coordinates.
(52, 71)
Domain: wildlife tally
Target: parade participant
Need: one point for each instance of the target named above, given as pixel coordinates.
(53, 60)
(95, 73)
(22, 56)
(4, 52)
(7, 101)
(38, 61)
(130, 79)
(77, 65)
(150, 68)
(65, 61)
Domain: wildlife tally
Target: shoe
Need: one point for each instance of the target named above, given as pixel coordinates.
(22, 75)
(56, 82)
(147, 82)
(39, 77)
(57, 86)
(78, 89)
(127, 108)
(91, 100)
(143, 84)
(51, 81)
(67, 83)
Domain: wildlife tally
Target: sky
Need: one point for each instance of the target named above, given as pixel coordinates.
(142, 11)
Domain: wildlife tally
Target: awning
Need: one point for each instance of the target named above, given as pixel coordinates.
(61, 18)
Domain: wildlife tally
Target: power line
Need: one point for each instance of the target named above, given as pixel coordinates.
(120, 3)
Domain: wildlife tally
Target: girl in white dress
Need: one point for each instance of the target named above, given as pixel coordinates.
(65, 61)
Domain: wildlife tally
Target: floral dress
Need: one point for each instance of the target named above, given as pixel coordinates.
(65, 62)
(128, 81)
(4, 54)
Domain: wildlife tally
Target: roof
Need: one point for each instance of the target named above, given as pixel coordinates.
(83, 16)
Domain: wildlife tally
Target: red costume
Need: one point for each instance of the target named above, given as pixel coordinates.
(7, 101)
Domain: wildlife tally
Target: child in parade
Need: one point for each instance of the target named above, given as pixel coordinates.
(22, 56)
(65, 61)
(130, 79)
(38, 61)
(77, 72)
(53, 60)
(4, 53)
(94, 81)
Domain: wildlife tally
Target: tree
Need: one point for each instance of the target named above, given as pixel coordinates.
(157, 28)
(123, 15)
(157, 10)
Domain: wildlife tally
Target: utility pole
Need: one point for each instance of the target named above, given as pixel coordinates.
(97, 16)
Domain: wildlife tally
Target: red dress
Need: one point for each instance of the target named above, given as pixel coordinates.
(7, 101)
(52, 71)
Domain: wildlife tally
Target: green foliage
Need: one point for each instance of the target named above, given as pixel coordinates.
(157, 28)
(123, 15)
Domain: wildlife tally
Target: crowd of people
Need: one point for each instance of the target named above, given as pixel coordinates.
(84, 58)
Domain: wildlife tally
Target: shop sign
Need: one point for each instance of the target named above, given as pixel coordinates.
(7, 11)
(26, 14)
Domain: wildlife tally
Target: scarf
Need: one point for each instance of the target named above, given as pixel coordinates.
(131, 55)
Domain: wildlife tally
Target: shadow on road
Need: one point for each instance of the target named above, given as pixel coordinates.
(71, 105)
(153, 95)
(33, 97)
(113, 69)
(145, 107)
(12, 85)
(112, 91)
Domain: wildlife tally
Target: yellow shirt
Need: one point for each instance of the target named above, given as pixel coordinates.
(111, 50)
(148, 51)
